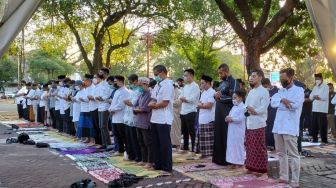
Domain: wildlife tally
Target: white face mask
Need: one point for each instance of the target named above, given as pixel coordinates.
(95, 81)
(77, 88)
(318, 82)
(235, 102)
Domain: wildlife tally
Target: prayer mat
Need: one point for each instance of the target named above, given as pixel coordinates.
(197, 167)
(128, 167)
(83, 157)
(67, 145)
(207, 176)
(79, 151)
(106, 175)
(246, 181)
(177, 158)
(309, 144)
(96, 164)
(29, 124)
(33, 129)
(330, 149)
(13, 122)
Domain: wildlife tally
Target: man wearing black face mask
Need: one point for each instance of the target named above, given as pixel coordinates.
(223, 97)
(288, 102)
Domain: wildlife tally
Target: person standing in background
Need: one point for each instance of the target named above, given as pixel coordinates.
(320, 98)
(19, 98)
(331, 110)
(270, 115)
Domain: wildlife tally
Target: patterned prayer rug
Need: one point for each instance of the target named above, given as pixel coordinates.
(79, 151)
(106, 175)
(245, 181)
(197, 167)
(96, 164)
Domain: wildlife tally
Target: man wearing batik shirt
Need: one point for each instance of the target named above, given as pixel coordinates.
(162, 119)
(257, 103)
(206, 117)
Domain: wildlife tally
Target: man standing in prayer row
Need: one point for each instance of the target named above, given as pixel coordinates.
(288, 102)
(224, 104)
(320, 98)
(162, 119)
(206, 117)
(189, 98)
(271, 114)
(257, 103)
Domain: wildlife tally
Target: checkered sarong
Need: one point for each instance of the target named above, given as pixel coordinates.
(206, 139)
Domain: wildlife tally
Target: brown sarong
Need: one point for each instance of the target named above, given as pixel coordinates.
(31, 115)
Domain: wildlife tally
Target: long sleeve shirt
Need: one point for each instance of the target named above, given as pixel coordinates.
(192, 94)
(287, 120)
(237, 113)
(19, 99)
(84, 105)
(142, 119)
(258, 98)
(91, 92)
(118, 106)
(104, 91)
(323, 92)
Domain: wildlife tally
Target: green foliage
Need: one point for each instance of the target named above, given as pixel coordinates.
(8, 69)
(43, 66)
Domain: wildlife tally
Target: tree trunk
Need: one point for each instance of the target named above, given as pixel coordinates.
(97, 57)
(252, 56)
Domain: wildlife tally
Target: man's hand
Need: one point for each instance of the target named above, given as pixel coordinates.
(316, 97)
(287, 103)
(251, 110)
(137, 110)
(128, 103)
(218, 95)
(228, 119)
(200, 105)
(183, 99)
(90, 97)
(152, 105)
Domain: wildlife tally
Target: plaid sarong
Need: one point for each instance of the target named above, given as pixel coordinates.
(256, 152)
(205, 136)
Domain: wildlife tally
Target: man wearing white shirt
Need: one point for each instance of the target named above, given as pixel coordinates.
(30, 105)
(91, 90)
(288, 102)
(102, 94)
(65, 105)
(320, 98)
(206, 117)
(19, 98)
(162, 119)
(189, 97)
(117, 109)
(256, 103)
(58, 105)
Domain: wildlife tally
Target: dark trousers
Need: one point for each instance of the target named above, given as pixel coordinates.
(188, 129)
(103, 125)
(162, 147)
(320, 125)
(26, 113)
(132, 145)
(42, 115)
(39, 114)
(53, 117)
(146, 144)
(20, 110)
(59, 124)
(65, 121)
(120, 135)
(114, 132)
(300, 133)
(95, 120)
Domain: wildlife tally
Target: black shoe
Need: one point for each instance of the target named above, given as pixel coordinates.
(102, 148)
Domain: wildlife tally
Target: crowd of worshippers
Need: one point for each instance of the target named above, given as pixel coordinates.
(225, 121)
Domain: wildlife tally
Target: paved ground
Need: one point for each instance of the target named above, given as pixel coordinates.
(28, 166)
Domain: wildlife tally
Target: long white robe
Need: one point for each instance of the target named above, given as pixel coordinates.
(235, 151)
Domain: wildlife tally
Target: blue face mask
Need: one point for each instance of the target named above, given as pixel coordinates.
(157, 79)
(141, 90)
